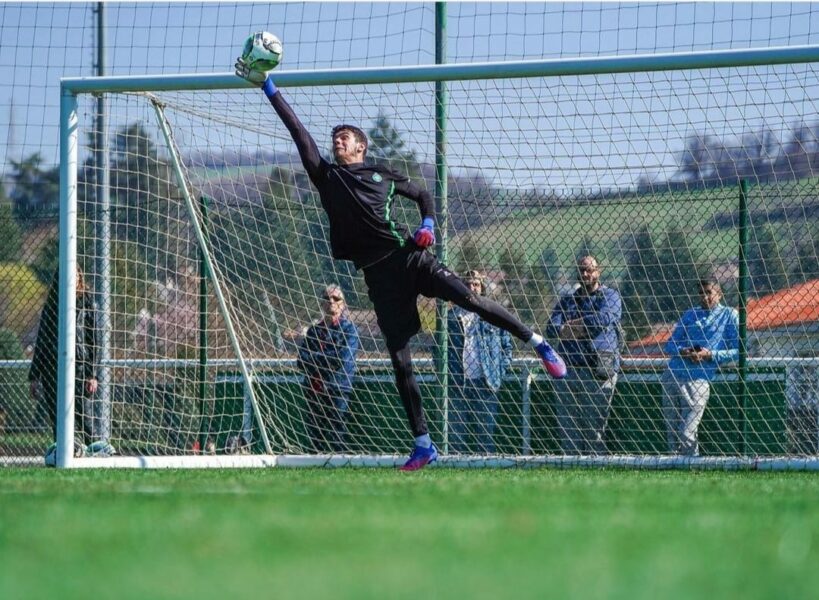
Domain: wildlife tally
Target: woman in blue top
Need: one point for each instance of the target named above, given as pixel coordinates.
(479, 354)
(704, 337)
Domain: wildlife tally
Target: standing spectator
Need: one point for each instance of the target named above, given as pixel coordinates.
(479, 354)
(43, 373)
(587, 324)
(327, 357)
(704, 337)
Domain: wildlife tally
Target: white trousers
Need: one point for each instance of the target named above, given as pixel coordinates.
(683, 406)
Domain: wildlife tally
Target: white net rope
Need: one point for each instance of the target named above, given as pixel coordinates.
(642, 171)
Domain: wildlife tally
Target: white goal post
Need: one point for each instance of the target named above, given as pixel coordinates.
(220, 254)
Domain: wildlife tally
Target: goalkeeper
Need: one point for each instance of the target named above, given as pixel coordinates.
(358, 198)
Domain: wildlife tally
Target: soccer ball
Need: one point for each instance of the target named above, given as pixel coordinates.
(50, 457)
(262, 51)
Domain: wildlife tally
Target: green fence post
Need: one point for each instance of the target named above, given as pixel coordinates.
(743, 310)
(441, 308)
(204, 423)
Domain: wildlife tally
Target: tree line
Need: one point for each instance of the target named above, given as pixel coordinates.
(706, 160)
(277, 241)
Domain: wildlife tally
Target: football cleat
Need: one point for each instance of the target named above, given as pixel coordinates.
(51, 456)
(420, 458)
(236, 444)
(552, 362)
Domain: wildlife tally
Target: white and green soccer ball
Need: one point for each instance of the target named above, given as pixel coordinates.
(50, 457)
(262, 51)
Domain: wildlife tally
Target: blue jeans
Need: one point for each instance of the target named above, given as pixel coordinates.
(326, 419)
(582, 411)
(473, 412)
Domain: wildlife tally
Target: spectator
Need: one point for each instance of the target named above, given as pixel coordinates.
(479, 354)
(327, 357)
(43, 372)
(587, 324)
(704, 337)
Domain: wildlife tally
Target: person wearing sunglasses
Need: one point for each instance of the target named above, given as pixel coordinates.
(587, 326)
(327, 357)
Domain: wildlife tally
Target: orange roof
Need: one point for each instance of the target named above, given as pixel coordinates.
(658, 337)
(799, 304)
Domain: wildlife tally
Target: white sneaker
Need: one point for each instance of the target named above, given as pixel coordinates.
(100, 449)
(236, 444)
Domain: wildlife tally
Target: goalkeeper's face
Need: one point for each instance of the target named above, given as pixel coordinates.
(347, 148)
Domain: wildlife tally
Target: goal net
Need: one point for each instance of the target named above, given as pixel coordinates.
(213, 255)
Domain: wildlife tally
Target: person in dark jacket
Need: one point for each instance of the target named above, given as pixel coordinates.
(587, 325)
(327, 358)
(43, 373)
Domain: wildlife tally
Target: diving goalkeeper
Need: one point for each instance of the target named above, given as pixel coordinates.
(357, 198)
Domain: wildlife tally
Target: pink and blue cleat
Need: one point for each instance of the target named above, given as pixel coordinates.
(552, 362)
(420, 458)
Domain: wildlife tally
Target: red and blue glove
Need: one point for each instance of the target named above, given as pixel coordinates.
(424, 236)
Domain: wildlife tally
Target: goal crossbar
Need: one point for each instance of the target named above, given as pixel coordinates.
(452, 72)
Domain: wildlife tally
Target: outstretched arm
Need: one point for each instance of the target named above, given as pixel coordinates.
(306, 145)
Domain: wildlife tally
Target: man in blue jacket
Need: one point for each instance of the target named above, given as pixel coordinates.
(327, 358)
(704, 337)
(479, 354)
(587, 324)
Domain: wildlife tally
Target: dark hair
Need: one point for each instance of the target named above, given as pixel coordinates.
(360, 136)
(709, 282)
(473, 275)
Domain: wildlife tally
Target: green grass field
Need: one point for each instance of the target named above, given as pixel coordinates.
(440, 533)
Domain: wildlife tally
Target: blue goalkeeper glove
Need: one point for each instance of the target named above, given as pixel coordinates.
(424, 236)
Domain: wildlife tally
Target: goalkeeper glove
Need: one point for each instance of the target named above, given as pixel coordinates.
(424, 236)
(256, 77)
